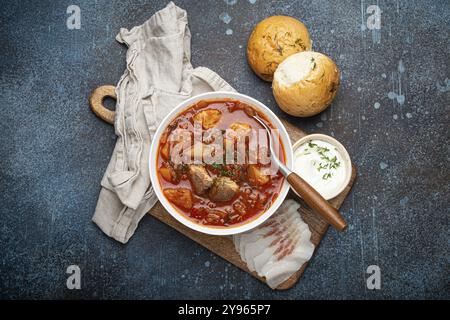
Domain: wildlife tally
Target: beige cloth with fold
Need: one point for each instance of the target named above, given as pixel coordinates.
(158, 77)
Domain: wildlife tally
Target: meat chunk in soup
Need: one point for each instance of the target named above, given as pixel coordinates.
(181, 197)
(200, 178)
(208, 118)
(223, 189)
(256, 176)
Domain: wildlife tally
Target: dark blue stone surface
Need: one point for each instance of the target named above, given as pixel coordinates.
(392, 113)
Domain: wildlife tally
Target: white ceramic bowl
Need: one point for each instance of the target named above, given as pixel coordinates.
(173, 210)
(340, 148)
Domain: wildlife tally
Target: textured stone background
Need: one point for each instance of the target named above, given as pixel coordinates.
(392, 113)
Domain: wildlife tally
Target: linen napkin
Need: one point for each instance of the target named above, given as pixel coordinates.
(158, 77)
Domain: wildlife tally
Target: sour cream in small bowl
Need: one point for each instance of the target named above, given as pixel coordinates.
(324, 163)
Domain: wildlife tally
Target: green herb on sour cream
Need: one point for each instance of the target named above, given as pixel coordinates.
(321, 165)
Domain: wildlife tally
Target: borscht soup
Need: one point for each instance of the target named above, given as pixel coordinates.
(214, 163)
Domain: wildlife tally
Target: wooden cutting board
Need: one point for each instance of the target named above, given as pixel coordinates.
(223, 245)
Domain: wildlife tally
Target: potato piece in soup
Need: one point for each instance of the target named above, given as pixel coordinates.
(255, 175)
(208, 118)
(165, 151)
(181, 197)
(241, 128)
(166, 173)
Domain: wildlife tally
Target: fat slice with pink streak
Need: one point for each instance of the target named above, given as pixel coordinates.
(256, 242)
(241, 240)
(279, 248)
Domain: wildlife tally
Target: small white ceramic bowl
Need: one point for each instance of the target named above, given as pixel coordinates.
(341, 149)
(252, 223)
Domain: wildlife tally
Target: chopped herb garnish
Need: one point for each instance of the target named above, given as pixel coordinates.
(216, 166)
(311, 144)
(326, 176)
(299, 43)
(327, 162)
(313, 63)
(222, 171)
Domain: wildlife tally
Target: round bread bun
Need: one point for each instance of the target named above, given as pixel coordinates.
(273, 40)
(305, 83)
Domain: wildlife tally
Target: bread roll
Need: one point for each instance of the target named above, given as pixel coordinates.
(273, 40)
(305, 83)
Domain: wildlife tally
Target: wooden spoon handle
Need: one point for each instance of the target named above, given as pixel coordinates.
(316, 201)
(96, 102)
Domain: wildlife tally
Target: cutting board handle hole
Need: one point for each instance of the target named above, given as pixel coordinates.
(109, 103)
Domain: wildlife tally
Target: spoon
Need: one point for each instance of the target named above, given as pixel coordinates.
(308, 193)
